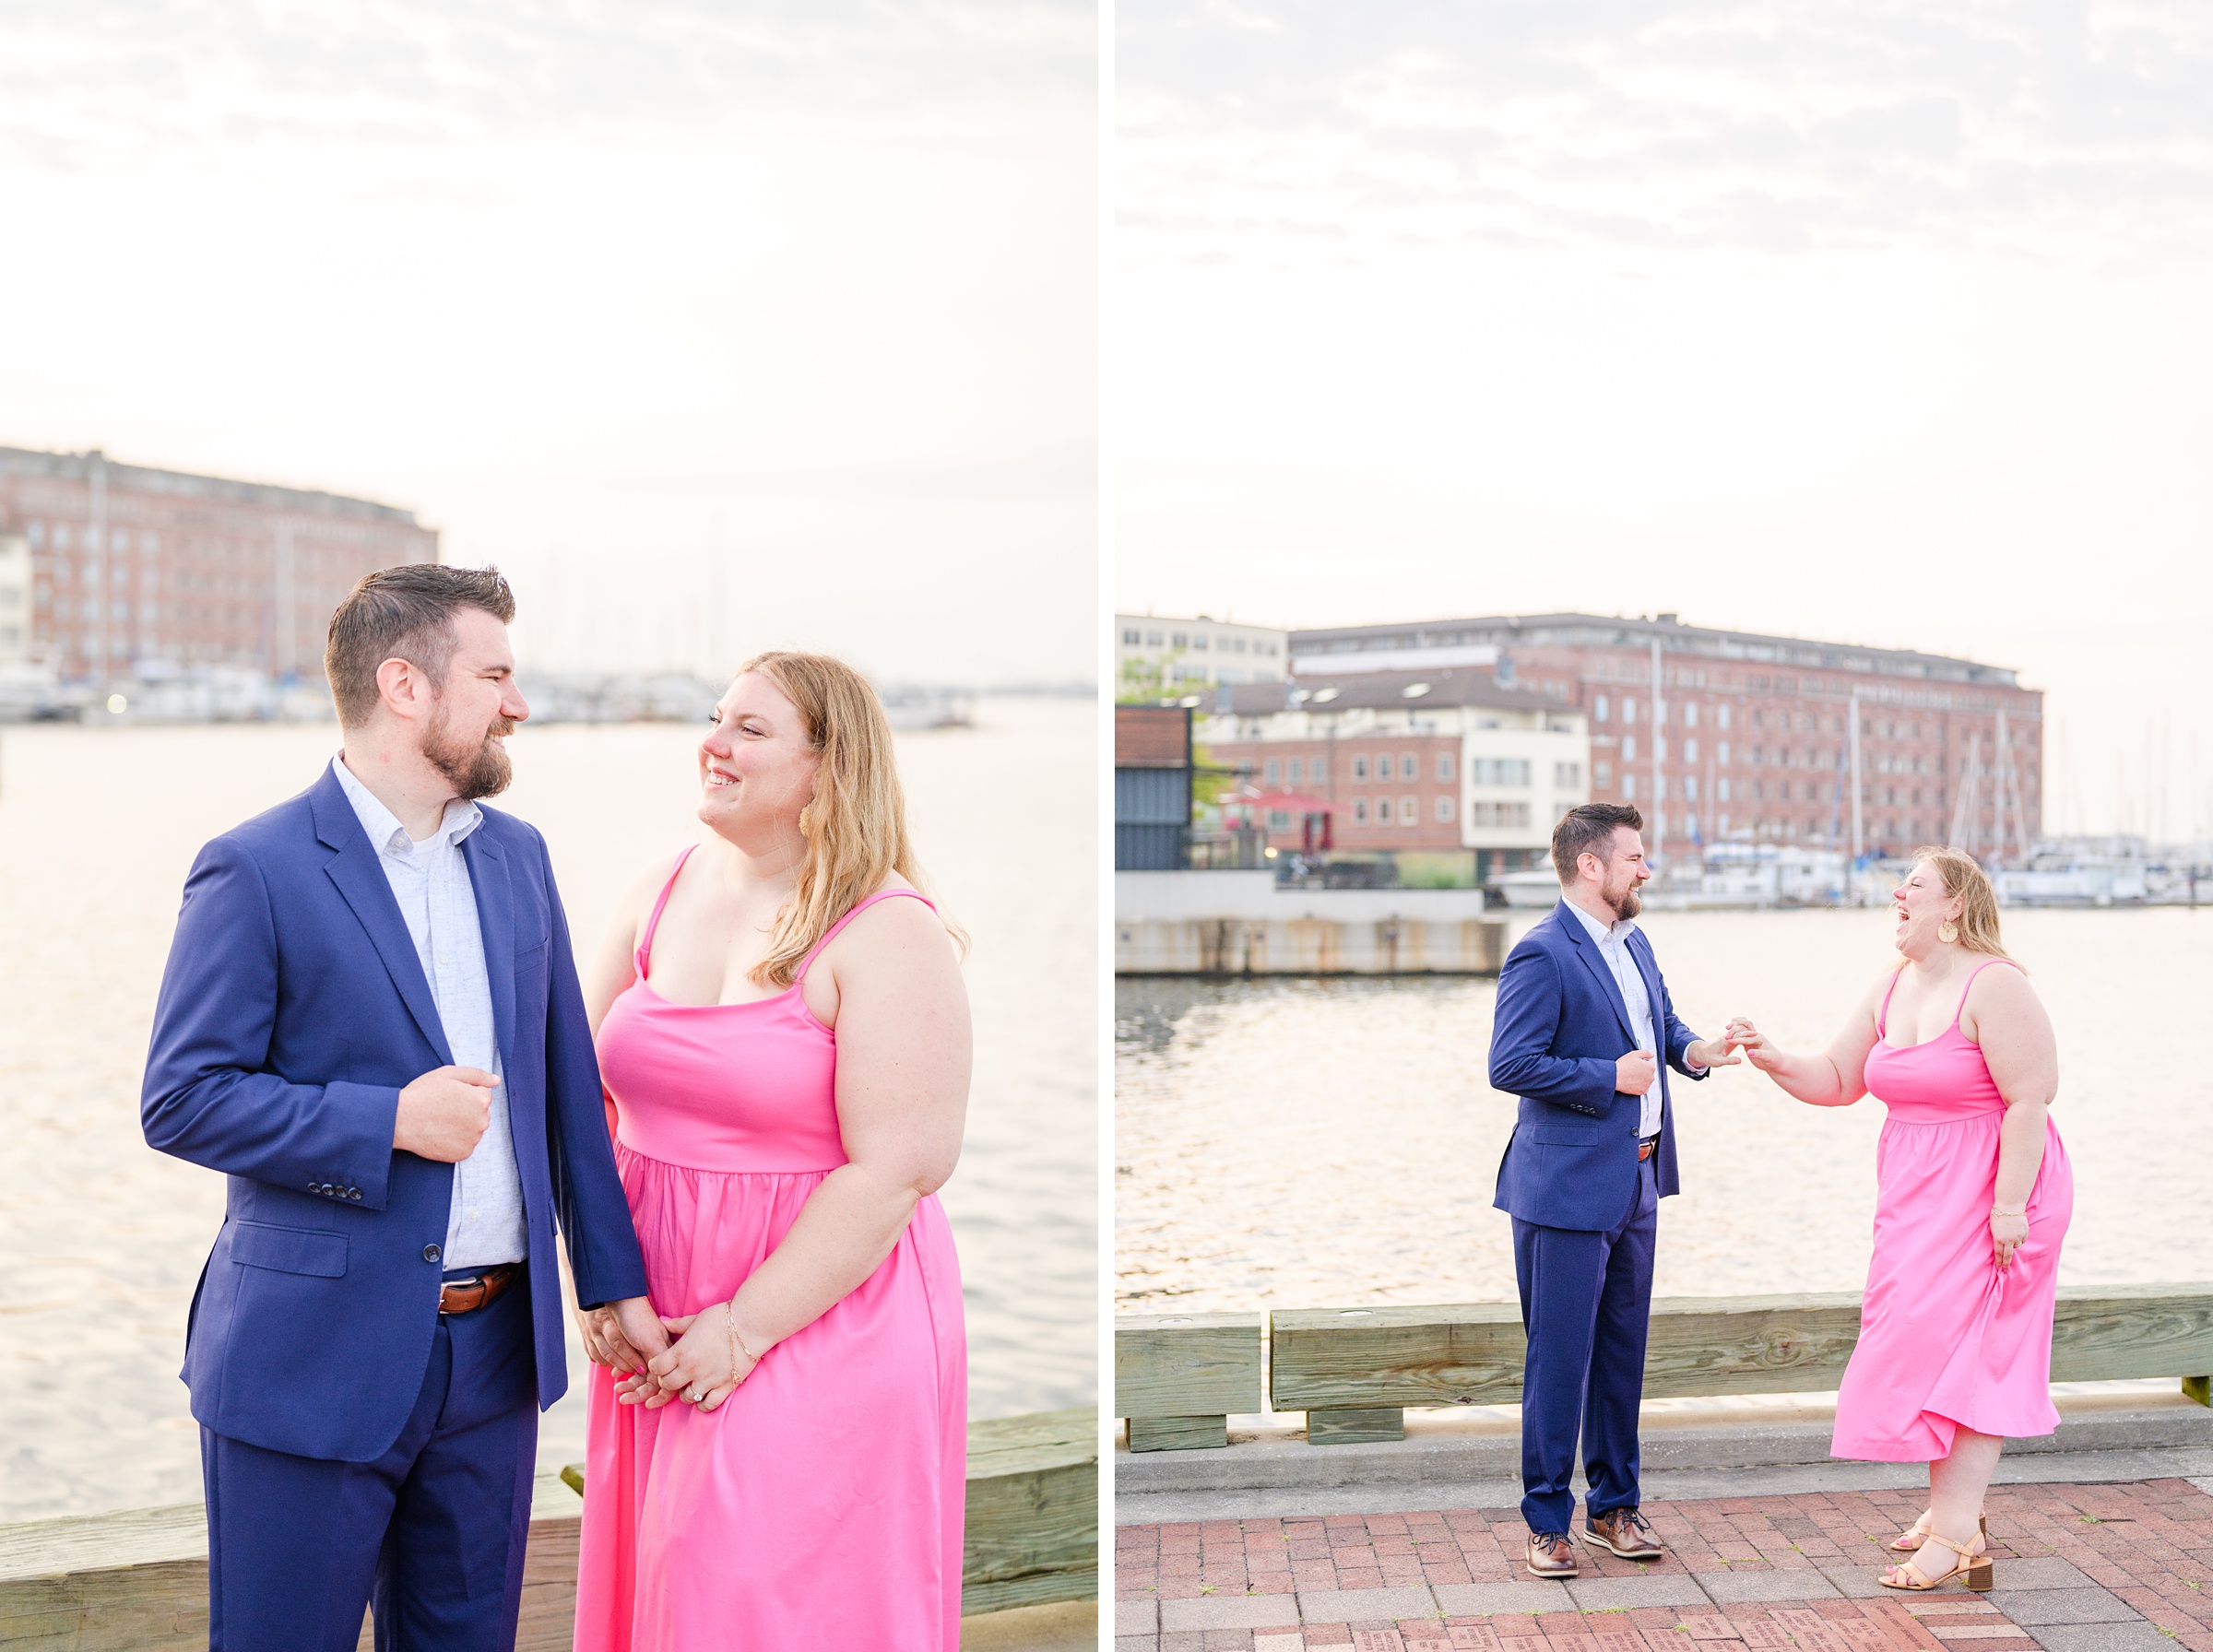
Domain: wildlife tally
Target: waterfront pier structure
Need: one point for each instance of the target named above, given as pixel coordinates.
(132, 569)
(1716, 733)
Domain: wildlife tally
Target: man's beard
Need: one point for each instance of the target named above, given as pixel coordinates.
(1626, 904)
(477, 771)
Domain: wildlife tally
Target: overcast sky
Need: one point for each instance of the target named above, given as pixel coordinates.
(594, 288)
(1885, 323)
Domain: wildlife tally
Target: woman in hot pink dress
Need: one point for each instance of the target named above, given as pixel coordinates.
(785, 1043)
(1972, 1195)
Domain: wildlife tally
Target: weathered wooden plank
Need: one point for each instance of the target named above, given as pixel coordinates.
(137, 1581)
(1187, 1365)
(2106, 1332)
(1470, 1353)
(1033, 1535)
(1338, 1427)
(1179, 1434)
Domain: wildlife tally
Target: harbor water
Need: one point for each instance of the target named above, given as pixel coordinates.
(1320, 1143)
(105, 1238)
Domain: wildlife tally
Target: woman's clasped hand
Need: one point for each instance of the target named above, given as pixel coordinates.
(705, 1363)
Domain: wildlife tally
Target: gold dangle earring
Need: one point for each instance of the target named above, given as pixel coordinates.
(1947, 932)
(806, 818)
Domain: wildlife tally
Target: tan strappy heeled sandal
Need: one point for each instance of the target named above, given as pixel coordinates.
(1972, 1567)
(1915, 1535)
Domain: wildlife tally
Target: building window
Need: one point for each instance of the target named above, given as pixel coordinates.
(1382, 811)
(1198, 642)
(1628, 748)
(1410, 812)
(1444, 766)
(1130, 639)
(1690, 752)
(1598, 709)
(1279, 819)
(1691, 720)
(36, 534)
(1568, 777)
(1179, 640)
(1629, 709)
(1602, 773)
(1444, 807)
(1721, 752)
(1628, 786)
(61, 535)
(1720, 792)
(1690, 788)
(1359, 768)
(1721, 718)
(1410, 765)
(1320, 770)
(1690, 823)
(1274, 771)
(1359, 811)
(1296, 772)
(1239, 645)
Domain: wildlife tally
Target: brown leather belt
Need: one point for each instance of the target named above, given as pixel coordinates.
(466, 1296)
(1647, 1148)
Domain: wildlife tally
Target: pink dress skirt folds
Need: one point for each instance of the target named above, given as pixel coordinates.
(821, 1505)
(1946, 1340)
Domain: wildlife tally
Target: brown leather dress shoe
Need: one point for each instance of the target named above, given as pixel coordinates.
(1550, 1555)
(1624, 1532)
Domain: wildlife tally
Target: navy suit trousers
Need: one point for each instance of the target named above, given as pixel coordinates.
(433, 1532)
(1586, 1305)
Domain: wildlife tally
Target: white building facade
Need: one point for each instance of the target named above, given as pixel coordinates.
(1199, 649)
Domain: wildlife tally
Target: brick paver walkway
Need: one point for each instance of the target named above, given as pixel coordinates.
(2079, 1568)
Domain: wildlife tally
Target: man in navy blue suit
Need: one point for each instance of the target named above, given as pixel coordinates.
(371, 1024)
(1583, 1018)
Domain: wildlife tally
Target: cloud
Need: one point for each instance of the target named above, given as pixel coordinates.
(86, 82)
(2046, 128)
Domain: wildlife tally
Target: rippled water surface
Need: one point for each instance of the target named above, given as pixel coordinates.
(103, 1238)
(1312, 1143)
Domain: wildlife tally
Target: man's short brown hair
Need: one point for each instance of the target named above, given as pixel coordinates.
(404, 613)
(1590, 827)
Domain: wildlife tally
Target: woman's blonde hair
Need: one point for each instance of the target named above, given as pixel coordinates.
(854, 826)
(1965, 879)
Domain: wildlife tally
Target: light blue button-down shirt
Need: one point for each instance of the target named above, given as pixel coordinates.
(1613, 947)
(429, 879)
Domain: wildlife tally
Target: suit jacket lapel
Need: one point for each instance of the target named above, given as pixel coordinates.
(354, 870)
(1571, 926)
(495, 920)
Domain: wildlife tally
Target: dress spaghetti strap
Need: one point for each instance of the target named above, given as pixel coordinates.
(1960, 1008)
(1882, 1016)
(855, 911)
(644, 953)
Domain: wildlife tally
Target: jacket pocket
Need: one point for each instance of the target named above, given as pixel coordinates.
(1565, 1135)
(289, 1250)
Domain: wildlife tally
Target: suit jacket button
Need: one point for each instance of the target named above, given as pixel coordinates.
(430, 1252)
(354, 1194)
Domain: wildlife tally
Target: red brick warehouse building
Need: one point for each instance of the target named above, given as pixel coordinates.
(132, 565)
(1754, 736)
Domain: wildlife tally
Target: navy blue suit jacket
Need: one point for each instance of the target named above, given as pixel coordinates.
(1558, 1029)
(292, 1011)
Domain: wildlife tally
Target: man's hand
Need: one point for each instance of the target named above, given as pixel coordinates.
(1634, 1073)
(622, 1335)
(1712, 1053)
(444, 1114)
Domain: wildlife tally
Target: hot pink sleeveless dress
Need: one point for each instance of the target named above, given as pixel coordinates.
(1946, 1340)
(821, 1505)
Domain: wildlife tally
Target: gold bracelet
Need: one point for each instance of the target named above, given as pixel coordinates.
(2002, 1211)
(730, 1321)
